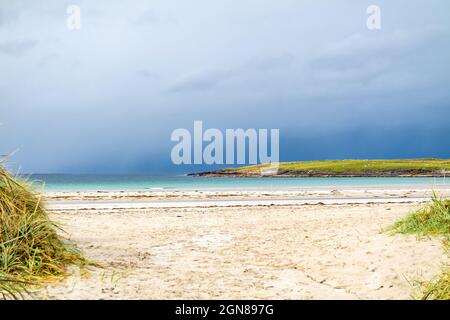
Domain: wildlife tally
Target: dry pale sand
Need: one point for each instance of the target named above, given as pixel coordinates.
(218, 249)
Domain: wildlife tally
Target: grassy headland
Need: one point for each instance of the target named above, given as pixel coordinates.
(30, 248)
(432, 220)
(346, 168)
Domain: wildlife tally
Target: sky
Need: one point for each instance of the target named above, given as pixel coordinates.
(105, 98)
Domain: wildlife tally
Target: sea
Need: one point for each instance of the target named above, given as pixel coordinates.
(70, 182)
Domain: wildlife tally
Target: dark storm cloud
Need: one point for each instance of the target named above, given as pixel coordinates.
(209, 79)
(17, 48)
(6, 16)
(148, 17)
(107, 97)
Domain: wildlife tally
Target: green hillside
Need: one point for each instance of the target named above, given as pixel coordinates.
(349, 168)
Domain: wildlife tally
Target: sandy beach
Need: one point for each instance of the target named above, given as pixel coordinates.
(287, 244)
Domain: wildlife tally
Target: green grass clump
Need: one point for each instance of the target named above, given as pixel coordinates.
(438, 288)
(432, 220)
(30, 248)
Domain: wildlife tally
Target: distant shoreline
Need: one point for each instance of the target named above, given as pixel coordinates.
(236, 174)
(405, 168)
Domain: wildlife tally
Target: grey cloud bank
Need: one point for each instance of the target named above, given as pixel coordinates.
(105, 99)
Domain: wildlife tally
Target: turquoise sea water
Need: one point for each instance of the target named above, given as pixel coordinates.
(56, 182)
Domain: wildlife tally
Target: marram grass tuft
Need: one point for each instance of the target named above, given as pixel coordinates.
(432, 220)
(30, 249)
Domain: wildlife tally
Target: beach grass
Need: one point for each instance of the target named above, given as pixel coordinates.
(406, 167)
(432, 220)
(31, 251)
